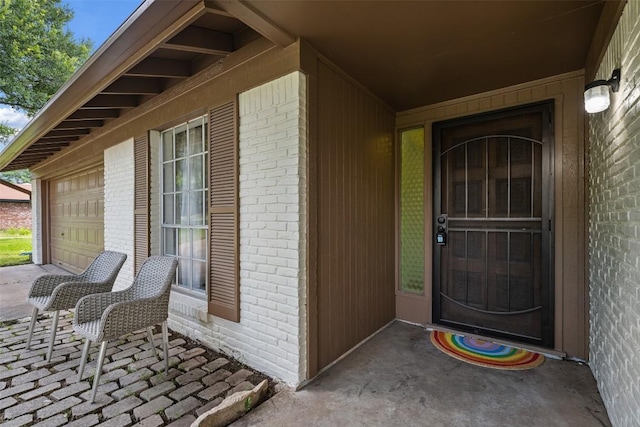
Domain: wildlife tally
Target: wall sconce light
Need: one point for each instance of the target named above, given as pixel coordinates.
(596, 93)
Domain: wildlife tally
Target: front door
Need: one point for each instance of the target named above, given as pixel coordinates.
(492, 224)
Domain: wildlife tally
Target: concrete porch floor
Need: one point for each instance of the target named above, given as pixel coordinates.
(398, 378)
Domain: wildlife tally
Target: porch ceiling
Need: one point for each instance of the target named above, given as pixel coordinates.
(415, 53)
(408, 53)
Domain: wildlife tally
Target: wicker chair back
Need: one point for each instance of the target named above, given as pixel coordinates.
(103, 269)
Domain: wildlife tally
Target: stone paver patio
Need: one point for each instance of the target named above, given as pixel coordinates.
(133, 388)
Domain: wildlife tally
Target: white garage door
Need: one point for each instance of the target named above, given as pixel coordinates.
(76, 218)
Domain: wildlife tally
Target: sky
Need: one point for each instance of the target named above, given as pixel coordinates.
(93, 19)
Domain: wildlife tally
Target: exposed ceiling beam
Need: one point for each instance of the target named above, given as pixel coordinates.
(26, 156)
(134, 86)
(202, 40)
(45, 144)
(79, 124)
(61, 139)
(93, 114)
(247, 14)
(45, 150)
(159, 67)
(111, 101)
(32, 158)
(74, 132)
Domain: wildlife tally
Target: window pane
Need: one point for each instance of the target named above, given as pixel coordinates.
(206, 171)
(206, 203)
(195, 139)
(200, 244)
(169, 241)
(412, 211)
(181, 141)
(196, 208)
(167, 209)
(182, 181)
(184, 276)
(167, 178)
(199, 278)
(167, 146)
(182, 208)
(184, 244)
(196, 174)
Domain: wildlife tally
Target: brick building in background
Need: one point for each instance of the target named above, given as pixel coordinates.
(15, 205)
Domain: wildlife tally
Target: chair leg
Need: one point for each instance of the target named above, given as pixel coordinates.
(153, 344)
(54, 328)
(165, 346)
(96, 377)
(83, 361)
(32, 325)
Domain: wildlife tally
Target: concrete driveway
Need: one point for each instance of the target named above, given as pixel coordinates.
(15, 283)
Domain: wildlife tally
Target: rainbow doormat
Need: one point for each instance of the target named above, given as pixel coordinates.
(485, 353)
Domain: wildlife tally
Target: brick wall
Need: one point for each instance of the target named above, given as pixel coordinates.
(15, 215)
(36, 215)
(614, 229)
(271, 334)
(154, 192)
(118, 207)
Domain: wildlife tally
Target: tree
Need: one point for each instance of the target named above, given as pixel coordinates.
(37, 53)
(6, 132)
(16, 177)
(37, 56)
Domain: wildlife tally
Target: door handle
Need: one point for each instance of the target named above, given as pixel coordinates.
(441, 230)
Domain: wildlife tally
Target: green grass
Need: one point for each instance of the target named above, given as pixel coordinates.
(12, 243)
(15, 232)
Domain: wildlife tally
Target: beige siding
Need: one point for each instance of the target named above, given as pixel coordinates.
(213, 87)
(355, 201)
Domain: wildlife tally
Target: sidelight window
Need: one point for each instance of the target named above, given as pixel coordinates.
(412, 210)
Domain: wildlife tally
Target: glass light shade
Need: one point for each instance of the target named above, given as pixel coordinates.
(596, 98)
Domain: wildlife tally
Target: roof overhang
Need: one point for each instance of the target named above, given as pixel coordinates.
(159, 45)
(409, 54)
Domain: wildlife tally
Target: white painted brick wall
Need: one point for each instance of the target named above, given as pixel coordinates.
(271, 335)
(118, 206)
(614, 229)
(36, 220)
(154, 196)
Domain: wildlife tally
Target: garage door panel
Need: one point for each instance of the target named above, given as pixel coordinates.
(77, 219)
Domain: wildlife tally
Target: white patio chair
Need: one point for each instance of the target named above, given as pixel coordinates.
(102, 317)
(54, 292)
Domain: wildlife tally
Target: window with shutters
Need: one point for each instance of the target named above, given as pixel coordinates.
(185, 161)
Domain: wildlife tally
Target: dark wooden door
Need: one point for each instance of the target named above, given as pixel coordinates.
(492, 224)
